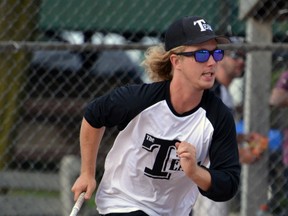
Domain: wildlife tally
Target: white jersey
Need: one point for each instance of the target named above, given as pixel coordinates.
(142, 170)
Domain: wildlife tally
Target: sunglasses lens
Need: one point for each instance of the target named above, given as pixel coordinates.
(202, 56)
(218, 55)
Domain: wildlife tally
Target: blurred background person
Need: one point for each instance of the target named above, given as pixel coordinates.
(229, 78)
(279, 181)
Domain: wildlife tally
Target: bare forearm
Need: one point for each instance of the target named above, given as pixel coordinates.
(90, 139)
(279, 97)
(202, 178)
(198, 174)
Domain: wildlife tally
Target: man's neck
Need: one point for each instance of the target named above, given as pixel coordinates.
(184, 99)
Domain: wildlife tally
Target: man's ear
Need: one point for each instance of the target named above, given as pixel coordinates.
(174, 59)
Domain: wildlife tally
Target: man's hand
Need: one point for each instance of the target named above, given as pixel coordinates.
(187, 154)
(188, 160)
(84, 184)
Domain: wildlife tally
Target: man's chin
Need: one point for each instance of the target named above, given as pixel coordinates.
(208, 86)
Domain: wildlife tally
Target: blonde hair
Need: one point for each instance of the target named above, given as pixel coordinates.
(157, 62)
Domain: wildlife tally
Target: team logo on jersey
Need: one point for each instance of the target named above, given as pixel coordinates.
(166, 160)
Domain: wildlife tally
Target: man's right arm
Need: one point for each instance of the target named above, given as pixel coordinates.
(90, 139)
(279, 97)
(279, 94)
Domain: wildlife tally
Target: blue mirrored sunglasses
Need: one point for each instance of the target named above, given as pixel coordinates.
(203, 55)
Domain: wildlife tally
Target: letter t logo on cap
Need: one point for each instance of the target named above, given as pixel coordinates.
(200, 23)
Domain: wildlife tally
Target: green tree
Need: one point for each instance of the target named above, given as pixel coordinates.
(17, 23)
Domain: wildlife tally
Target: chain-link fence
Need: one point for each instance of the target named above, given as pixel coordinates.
(57, 55)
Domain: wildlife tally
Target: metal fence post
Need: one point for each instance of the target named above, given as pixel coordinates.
(69, 171)
(256, 115)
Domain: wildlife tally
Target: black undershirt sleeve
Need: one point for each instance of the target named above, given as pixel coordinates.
(118, 107)
(224, 155)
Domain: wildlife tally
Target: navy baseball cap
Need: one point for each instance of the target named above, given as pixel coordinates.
(190, 30)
